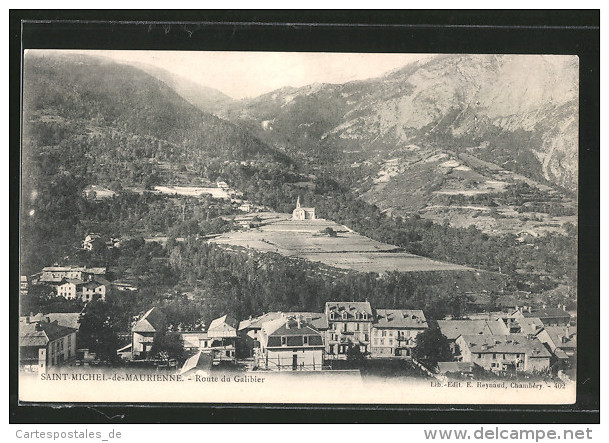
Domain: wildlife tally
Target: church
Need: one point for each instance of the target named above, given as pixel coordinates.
(301, 213)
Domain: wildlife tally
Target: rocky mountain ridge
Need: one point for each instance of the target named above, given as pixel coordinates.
(520, 110)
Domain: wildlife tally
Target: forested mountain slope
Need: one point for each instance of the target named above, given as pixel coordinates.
(90, 121)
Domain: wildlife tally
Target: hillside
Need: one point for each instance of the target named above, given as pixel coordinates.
(95, 98)
(205, 99)
(518, 111)
(88, 121)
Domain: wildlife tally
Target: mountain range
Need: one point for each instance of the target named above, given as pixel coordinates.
(519, 111)
(410, 141)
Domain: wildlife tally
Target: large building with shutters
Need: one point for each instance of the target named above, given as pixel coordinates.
(289, 343)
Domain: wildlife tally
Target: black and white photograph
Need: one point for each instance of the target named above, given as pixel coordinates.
(298, 227)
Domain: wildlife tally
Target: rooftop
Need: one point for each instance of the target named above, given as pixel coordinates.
(153, 320)
(350, 307)
(563, 337)
(66, 319)
(513, 343)
(452, 329)
(547, 312)
(315, 319)
(41, 333)
(530, 325)
(400, 318)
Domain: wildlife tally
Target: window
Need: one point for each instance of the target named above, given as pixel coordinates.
(357, 326)
(284, 341)
(305, 339)
(366, 337)
(479, 356)
(384, 333)
(344, 315)
(494, 356)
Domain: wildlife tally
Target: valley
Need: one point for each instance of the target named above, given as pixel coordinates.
(407, 190)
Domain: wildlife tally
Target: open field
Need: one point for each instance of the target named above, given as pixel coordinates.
(348, 250)
(193, 191)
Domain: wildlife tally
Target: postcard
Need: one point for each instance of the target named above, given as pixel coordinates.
(298, 228)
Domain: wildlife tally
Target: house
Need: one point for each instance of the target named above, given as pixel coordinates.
(84, 290)
(452, 329)
(290, 343)
(198, 364)
(349, 325)
(70, 288)
(394, 332)
(223, 334)
(302, 213)
(222, 185)
(124, 286)
(94, 289)
(562, 340)
(245, 207)
(55, 274)
(66, 319)
(45, 344)
(196, 341)
(512, 352)
(249, 329)
(144, 331)
(550, 316)
(96, 192)
(24, 285)
(93, 241)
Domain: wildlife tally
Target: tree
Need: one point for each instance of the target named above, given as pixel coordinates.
(355, 354)
(97, 333)
(167, 345)
(331, 232)
(432, 346)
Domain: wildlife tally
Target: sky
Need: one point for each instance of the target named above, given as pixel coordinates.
(249, 74)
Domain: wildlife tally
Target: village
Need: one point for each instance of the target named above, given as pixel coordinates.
(516, 340)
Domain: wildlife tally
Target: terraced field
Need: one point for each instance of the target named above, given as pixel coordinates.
(347, 250)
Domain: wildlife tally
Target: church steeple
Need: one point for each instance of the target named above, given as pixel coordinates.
(298, 202)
